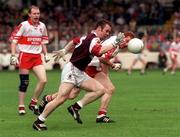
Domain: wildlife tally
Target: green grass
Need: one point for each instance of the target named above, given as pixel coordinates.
(143, 106)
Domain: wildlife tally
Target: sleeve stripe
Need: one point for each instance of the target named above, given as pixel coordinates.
(76, 40)
(96, 50)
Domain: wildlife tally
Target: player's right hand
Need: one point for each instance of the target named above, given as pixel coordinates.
(118, 39)
(14, 60)
(59, 54)
(116, 66)
(47, 58)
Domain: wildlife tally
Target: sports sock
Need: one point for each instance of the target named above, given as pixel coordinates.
(76, 106)
(80, 104)
(49, 98)
(102, 112)
(41, 118)
(33, 102)
(21, 107)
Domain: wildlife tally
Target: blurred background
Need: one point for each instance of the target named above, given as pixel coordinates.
(158, 20)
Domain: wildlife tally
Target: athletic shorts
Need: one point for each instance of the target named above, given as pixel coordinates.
(92, 71)
(173, 54)
(138, 56)
(28, 60)
(71, 74)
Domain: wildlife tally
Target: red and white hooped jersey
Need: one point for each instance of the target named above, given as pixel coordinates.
(30, 38)
(108, 55)
(174, 48)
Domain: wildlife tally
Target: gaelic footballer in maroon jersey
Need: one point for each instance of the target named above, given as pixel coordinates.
(95, 71)
(81, 56)
(73, 74)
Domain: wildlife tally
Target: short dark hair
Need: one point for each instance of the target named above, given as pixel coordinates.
(140, 35)
(32, 7)
(101, 23)
(130, 34)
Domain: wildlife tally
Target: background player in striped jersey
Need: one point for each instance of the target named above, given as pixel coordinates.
(30, 38)
(173, 54)
(139, 57)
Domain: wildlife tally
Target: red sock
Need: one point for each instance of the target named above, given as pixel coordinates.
(33, 102)
(49, 98)
(21, 107)
(102, 112)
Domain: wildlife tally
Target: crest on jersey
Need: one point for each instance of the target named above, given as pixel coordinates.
(40, 30)
(70, 76)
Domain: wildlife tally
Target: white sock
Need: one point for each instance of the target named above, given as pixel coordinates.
(41, 118)
(21, 105)
(80, 104)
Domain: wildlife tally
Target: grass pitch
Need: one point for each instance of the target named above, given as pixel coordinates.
(142, 106)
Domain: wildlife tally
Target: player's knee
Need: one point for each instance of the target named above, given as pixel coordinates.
(111, 90)
(101, 91)
(24, 82)
(72, 96)
(74, 93)
(43, 81)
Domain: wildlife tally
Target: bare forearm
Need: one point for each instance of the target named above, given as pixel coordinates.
(69, 45)
(44, 49)
(104, 49)
(13, 48)
(105, 61)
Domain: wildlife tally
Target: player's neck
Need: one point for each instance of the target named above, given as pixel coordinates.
(33, 23)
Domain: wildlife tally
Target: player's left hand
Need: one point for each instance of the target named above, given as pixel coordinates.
(59, 54)
(116, 66)
(14, 60)
(118, 39)
(46, 58)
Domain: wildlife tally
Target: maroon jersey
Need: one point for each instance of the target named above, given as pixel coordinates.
(85, 51)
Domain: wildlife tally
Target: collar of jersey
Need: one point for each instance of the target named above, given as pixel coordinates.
(94, 32)
(30, 22)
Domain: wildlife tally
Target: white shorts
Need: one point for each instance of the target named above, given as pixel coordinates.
(71, 74)
(138, 56)
(173, 54)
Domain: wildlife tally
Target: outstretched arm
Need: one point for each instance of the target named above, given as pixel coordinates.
(61, 53)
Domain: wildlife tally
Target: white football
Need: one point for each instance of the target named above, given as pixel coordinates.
(135, 45)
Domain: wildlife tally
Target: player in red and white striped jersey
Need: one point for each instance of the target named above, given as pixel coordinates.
(30, 39)
(173, 54)
(100, 71)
